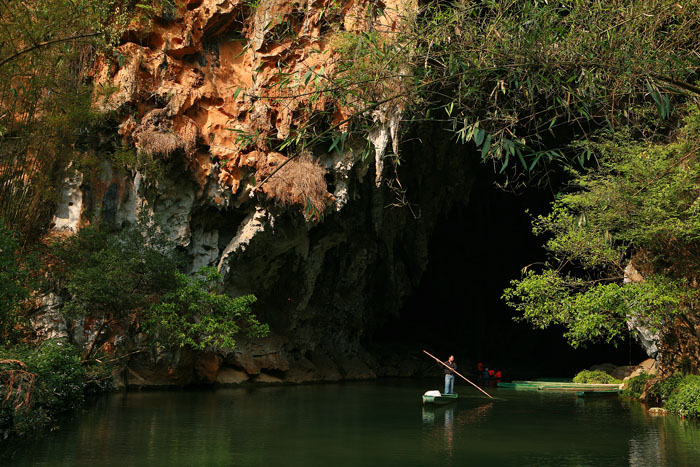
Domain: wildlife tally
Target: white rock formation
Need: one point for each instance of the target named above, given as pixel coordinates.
(70, 206)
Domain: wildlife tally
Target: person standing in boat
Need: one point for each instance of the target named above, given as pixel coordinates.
(450, 375)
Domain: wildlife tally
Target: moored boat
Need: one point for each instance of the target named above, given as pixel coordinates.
(552, 386)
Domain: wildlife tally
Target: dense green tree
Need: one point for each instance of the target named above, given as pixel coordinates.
(197, 315)
(624, 245)
(36, 384)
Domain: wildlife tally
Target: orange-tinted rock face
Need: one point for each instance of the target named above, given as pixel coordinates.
(194, 88)
(207, 80)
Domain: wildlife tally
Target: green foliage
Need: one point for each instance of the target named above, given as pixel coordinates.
(522, 81)
(13, 277)
(589, 310)
(47, 48)
(37, 385)
(60, 376)
(638, 205)
(635, 386)
(150, 165)
(662, 389)
(514, 73)
(196, 315)
(594, 377)
(113, 273)
(112, 276)
(131, 278)
(685, 400)
(525, 84)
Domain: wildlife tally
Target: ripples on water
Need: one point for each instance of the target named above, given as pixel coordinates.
(362, 424)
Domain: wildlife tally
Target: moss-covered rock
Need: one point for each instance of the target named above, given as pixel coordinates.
(595, 377)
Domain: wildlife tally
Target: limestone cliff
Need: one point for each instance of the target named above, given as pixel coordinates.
(188, 88)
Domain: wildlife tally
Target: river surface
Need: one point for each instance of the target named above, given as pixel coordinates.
(362, 424)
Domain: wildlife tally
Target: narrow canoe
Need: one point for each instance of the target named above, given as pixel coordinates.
(566, 384)
(597, 393)
(559, 387)
(553, 380)
(519, 387)
(579, 389)
(440, 400)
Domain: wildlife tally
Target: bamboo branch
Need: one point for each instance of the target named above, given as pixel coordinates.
(46, 43)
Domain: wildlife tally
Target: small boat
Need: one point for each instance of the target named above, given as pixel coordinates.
(434, 397)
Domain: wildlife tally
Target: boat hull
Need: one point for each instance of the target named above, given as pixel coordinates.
(604, 393)
(440, 400)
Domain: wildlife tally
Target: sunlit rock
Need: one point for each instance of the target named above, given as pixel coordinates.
(187, 97)
(48, 322)
(70, 206)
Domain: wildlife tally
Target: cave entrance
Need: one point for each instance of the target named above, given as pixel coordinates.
(474, 252)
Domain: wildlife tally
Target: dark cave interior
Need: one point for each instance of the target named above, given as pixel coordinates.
(457, 309)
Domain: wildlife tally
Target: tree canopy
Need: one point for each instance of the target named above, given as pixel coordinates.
(522, 81)
(624, 246)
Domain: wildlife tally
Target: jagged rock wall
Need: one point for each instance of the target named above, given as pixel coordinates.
(323, 285)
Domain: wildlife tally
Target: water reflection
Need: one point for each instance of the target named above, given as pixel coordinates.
(362, 424)
(448, 422)
(454, 415)
(657, 443)
(645, 449)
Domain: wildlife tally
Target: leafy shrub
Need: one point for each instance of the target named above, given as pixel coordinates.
(111, 276)
(635, 385)
(59, 373)
(13, 276)
(595, 377)
(662, 389)
(131, 276)
(196, 315)
(37, 384)
(685, 400)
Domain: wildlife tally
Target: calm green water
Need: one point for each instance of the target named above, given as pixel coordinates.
(362, 424)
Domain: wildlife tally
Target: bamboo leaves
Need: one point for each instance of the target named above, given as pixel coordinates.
(662, 101)
(548, 76)
(338, 142)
